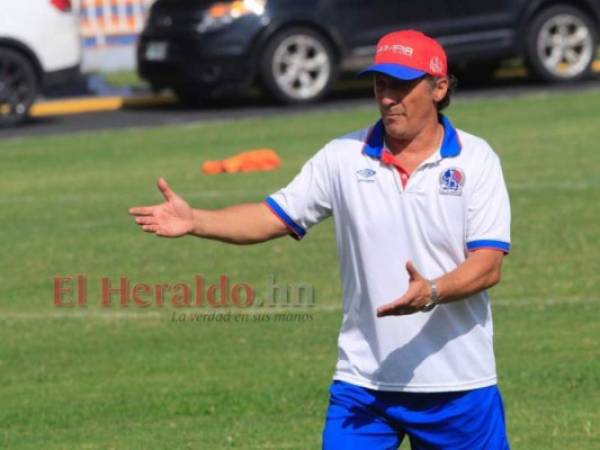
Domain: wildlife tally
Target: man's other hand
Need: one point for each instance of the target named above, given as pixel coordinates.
(173, 218)
(414, 299)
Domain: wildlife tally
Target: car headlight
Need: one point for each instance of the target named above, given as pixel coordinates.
(223, 13)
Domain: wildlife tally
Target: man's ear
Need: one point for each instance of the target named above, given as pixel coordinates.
(440, 89)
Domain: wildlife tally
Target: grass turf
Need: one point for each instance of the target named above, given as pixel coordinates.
(132, 378)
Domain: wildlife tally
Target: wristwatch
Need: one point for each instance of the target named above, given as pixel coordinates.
(433, 300)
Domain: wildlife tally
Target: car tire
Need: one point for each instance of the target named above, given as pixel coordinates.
(18, 86)
(561, 44)
(298, 66)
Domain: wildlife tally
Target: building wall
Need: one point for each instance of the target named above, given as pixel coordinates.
(109, 31)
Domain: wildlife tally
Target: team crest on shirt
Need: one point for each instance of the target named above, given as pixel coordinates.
(366, 175)
(452, 181)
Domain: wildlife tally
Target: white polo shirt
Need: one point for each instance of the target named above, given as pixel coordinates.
(454, 202)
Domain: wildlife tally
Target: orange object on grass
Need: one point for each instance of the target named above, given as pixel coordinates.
(212, 167)
(261, 159)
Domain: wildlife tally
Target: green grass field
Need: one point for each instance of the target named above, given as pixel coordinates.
(131, 378)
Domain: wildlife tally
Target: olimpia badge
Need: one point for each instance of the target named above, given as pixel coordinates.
(452, 181)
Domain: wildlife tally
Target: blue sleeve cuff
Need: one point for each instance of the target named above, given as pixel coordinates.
(297, 231)
(496, 245)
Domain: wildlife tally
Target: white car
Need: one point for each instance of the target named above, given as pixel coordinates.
(39, 47)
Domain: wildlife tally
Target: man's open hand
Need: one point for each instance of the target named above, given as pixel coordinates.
(414, 299)
(173, 218)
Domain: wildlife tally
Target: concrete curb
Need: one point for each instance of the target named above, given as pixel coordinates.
(96, 104)
(99, 104)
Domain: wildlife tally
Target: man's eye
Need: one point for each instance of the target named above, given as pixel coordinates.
(401, 86)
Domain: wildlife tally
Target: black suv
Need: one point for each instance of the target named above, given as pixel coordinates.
(295, 49)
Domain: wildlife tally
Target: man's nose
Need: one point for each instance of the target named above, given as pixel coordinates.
(389, 97)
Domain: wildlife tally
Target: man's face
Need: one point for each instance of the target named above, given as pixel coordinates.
(406, 107)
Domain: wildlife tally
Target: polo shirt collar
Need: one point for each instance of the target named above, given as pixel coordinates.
(451, 145)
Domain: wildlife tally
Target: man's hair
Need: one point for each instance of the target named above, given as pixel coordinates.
(452, 83)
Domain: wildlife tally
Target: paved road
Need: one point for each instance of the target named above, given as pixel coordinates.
(252, 107)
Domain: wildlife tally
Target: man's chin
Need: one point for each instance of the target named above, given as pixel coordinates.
(395, 130)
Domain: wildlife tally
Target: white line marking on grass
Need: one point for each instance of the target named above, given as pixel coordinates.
(527, 302)
(513, 303)
(559, 186)
(83, 315)
(154, 315)
(109, 196)
(260, 195)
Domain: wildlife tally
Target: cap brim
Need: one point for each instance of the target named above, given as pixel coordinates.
(394, 71)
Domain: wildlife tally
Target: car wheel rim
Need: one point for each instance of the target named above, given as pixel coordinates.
(565, 46)
(16, 90)
(301, 66)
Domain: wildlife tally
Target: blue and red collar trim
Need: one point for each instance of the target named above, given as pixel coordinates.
(451, 145)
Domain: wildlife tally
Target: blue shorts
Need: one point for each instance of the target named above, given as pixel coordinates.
(365, 419)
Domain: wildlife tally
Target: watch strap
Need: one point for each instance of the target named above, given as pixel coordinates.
(433, 300)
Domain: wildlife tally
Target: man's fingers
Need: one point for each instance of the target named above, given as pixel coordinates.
(150, 228)
(167, 193)
(400, 306)
(146, 220)
(392, 309)
(385, 310)
(141, 211)
(412, 272)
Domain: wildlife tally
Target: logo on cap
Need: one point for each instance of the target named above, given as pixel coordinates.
(435, 65)
(396, 48)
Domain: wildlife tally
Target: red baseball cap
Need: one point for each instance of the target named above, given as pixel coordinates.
(408, 55)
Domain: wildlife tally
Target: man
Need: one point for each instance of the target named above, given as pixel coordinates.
(422, 222)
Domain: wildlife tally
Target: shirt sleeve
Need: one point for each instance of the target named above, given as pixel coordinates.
(306, 201)
(488, 211)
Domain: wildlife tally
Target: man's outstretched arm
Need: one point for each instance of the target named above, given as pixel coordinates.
(247, 223)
